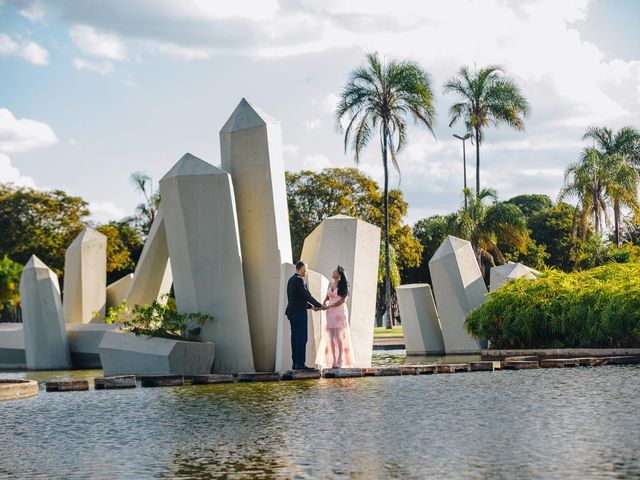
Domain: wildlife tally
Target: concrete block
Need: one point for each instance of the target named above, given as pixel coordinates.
(115, 383)
(12, 354)
(84, 341)
(458, 287)
(251, 151)
(14, 388)
(45, 337)
(355, 245)
(117, 291)
(67, 386)
(161, 380)
(85, 278)
(206, 260)
(130, 354)
(502, 274)
(152, 278)
(212, 378)
(420, 322)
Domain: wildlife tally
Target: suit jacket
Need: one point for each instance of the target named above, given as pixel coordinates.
(298, 295)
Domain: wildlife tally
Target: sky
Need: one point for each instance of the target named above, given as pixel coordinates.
(91, 91)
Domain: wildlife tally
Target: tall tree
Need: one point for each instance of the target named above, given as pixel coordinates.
(145, 211)
(625, 146)
(486, 97)
(381, 97)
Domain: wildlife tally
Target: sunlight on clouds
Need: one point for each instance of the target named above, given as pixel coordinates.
(34, 11)
(24, 134)
(99, 44)
(105, 211)
(25, 49)
(10, 174)
(103, 68)
(315, 162)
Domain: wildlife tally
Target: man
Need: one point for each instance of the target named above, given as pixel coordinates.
(299, 300)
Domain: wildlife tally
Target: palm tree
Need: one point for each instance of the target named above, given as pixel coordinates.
(625, 146)
(486, 97)
(145, 211)
(381, 97)
(487, 226)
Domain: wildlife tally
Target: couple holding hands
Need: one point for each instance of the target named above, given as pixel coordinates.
(334, 350)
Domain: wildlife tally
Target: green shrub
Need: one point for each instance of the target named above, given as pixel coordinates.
(593, 308)
(159, 319)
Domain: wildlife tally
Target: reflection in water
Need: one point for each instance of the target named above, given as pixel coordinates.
(551, 423)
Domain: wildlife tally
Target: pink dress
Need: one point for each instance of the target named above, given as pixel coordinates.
(335, 348)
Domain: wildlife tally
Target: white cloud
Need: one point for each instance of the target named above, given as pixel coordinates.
(99, 44)
(105, 211)
(315, 162)
(312, 124)
(34, 11)
(21, 135)
(329, 103)
(290, 150)
(10, 174)
(183, 53)
(25, 49)
(103, 68)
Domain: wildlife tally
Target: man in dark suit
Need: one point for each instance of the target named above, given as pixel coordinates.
(299, 301)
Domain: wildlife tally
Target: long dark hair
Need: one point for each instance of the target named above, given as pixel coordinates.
(343, 284)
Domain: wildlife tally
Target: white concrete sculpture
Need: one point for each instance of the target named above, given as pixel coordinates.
(251, 151)
(12, 355)
(117, 291)
(420, 322)
(316, 321)
(206, 261)
(45, 338)
(502, 274)
(84, 341)
(355, 245)
(85, 278)
(458, 287)
(130, 354)
(152, 278)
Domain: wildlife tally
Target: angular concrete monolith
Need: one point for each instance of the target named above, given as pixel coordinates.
(355, 245)
(12, 354)
(251, 151)
(206, 260)
(420, 322)
(85, 278)
(458, 288)
(502, 274)
(152, 278)
(45, 338)
(316, 321)
(117, 291)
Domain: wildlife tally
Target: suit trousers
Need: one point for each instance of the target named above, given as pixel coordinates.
(299, 334)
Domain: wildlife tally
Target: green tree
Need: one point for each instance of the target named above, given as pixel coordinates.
(624, 148)
(314, 196)
(430, 232)
(42, 223)
(380, 96)
(531, 204)
(10, 272)
(554, 229)
(486, 97)
(145, 211)
(124, 245)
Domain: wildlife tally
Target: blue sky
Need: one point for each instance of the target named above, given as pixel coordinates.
(93, 91)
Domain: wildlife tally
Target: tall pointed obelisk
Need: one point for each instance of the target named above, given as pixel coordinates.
(251, 151)
(206, 260)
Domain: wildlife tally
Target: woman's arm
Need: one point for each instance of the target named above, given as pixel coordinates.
(339, 302)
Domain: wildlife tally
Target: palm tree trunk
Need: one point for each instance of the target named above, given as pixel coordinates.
(477, 161)
(596, 213)
(387, 268)
(616, 220)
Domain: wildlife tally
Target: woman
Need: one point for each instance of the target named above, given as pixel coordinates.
(335, 348)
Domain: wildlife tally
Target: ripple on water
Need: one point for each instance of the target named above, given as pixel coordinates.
(548, 423)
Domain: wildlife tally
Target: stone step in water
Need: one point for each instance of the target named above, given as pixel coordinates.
(558, 363)
(626, 360)
(301, 375)
(520, 364)
(589, 361)
(116, 382)
(161, 380)
(258, 377)
(67, 385)
(212, 378)
(342, 372)
(15, 388)
(485, 366)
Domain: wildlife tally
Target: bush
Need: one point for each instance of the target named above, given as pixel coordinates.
(159, 319)
(589, 309)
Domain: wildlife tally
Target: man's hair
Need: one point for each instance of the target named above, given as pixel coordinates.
(300, 264)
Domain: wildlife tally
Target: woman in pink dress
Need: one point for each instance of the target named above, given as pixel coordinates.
(335, 348)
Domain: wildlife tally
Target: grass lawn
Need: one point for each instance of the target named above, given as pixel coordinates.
(382, 332)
